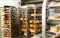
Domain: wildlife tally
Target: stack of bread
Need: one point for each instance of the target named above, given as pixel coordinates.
(55, 28)
(37, 21)
(54, 17)
(36, 14)
(57, 17)
(55, 36)
(22, 18)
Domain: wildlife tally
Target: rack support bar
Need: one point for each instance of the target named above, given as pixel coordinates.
(44, 18)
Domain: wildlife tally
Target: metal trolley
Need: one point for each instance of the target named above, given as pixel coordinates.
(28, 21)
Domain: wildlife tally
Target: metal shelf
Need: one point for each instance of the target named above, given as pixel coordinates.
(53, 32)
(28, 12)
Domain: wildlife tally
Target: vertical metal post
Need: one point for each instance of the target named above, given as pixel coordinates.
(27, 22)
(44, 19)
(18, 20)
(35, 19)
(10, 21)
(1, 22)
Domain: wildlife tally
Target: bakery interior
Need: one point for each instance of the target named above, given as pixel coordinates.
(30, 19)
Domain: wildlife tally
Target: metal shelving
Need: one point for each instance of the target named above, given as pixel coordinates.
(9, 27)
(51, 21)
(32, 24)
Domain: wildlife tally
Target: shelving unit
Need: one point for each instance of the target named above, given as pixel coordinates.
(38, 5)
(53, 19)
(30, 21)
(8, 22)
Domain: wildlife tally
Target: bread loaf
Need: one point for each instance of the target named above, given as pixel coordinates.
(32, 14)
(58, 26)
(24, 18)
(32, 33)
(32, 30)
(23, 29)
(53, 36)
(57, 35)
(23, 25)
(37, 21)
(59, 30)
(57, 17)
(21, 18)
(31, 25)
(31, 21)
(54, 29)
(25, 33)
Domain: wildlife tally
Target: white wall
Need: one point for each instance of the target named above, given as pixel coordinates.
(9, 2)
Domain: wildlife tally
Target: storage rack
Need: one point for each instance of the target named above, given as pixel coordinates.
(53, 22)
(14, 23)
(4, 17)
(46, 34)
(27, 17)
(38, 5)
(9, 27)
(33, 20)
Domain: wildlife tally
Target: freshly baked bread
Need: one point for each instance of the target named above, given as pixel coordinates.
(32, 14)
(25, 33)
(54, 36)
(32, 25)
(57, 17)
(57, 35)
(23, 25)
(32, 33)
(21, 18)
(32, 30)
(24, 18)
(31, 21)
(54, 29)
(37, 21)
(23, 29)
(59, 30)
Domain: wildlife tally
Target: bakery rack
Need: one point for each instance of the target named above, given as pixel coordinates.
(29, 16)
(25, 15)
(8, 22)
(52, 20)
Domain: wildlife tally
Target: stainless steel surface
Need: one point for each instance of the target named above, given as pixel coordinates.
(44, 18)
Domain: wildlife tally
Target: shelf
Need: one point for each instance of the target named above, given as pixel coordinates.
(37, 36)
(36, 19)
(7, 13)
(6, 28)
(9, 29)
(34, 2)
(53, 32)
(36, 15)
(53, 19)
(36, 23)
